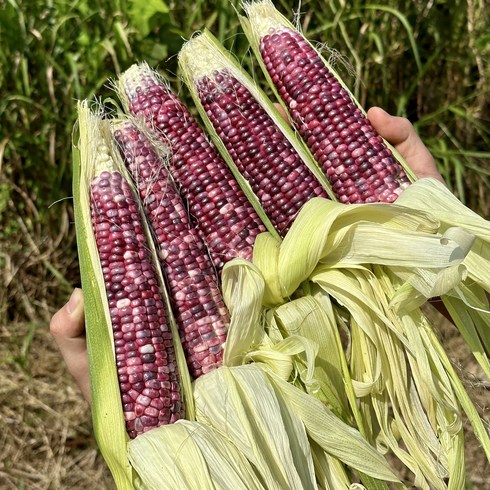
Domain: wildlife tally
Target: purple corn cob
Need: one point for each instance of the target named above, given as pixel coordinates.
(262, 153)
(357, 162)
(145, 356)
(223, 216)
(197, 304)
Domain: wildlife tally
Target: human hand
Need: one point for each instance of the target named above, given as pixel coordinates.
(401, 134)
(67, 325)
(68, 329)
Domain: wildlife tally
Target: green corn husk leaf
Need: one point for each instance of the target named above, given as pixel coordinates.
(330, 473)
(244, 401)
(469, 311)
(342, 285)
(434, 384)
(266, 258)
(200, 57)
(261, 16)
(380, 363)
(305, 317)
(325, 248)
(336, 325)
(190, 455)
(431, 196)
(282, 358)
(108, 418)
(468, 303)
(330, 433)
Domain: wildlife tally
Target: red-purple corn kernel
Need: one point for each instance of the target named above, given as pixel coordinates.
(223, 216)
(145, 357)
(198, 306)
(341, 138)
(263, 155)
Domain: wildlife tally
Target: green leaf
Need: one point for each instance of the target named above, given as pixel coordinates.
(143, 14)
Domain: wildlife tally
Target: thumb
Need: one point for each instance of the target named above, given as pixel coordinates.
(69, 320)
(68, 330)
(400, 132)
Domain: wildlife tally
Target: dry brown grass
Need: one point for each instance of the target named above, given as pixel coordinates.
(47, 440)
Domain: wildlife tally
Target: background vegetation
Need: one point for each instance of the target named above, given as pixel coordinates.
(427, 60)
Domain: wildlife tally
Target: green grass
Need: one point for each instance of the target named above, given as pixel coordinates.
(417, 59)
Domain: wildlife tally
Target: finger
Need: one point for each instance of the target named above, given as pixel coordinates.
(68, 329)
(399, 132)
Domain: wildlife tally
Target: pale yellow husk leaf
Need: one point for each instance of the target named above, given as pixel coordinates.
(333, 233)
(188, 455)
(244, 403)
(240, 403)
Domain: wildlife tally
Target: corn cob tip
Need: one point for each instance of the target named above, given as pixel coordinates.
(134, 128)
(140, 81)
(264, 17)
(198, 66)
(94, 141)
(136, 75)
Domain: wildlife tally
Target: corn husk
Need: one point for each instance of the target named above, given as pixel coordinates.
(411, 400)
(251, 398)
(468, 303)
(190, 455)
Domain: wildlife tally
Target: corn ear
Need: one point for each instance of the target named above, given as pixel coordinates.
(204, 61)
(106, 405)
(359, 164)
(109, 426)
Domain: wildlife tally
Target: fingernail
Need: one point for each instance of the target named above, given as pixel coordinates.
(74, 301)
